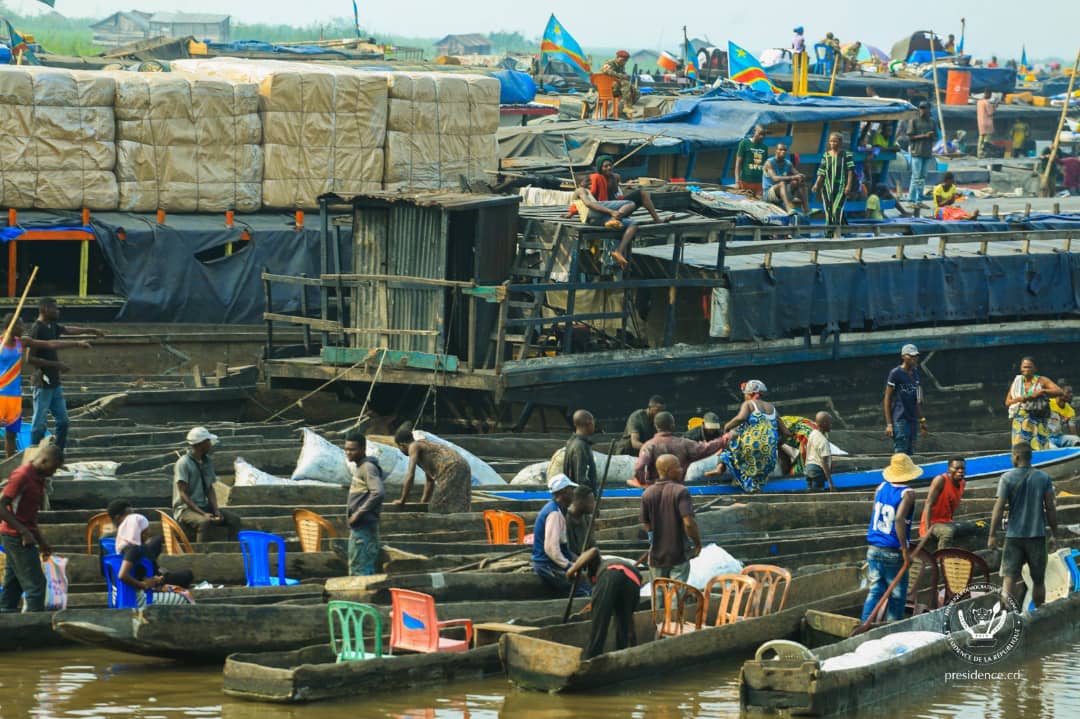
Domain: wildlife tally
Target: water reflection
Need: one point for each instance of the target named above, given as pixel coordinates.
(90, 684)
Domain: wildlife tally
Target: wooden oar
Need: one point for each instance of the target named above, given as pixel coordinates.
(896, 580)
(18, 309)
(589, 529)
(475, 565)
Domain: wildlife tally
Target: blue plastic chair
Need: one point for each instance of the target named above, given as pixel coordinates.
(1074, 568)
(108, 545)
(122, 595)
(256, 549)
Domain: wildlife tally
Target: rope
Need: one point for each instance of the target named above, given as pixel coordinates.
(321, 387)
(438, 365)
(371, 387)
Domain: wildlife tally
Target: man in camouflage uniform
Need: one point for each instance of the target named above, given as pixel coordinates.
(624, 88)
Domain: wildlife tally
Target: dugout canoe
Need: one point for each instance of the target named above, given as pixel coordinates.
(207, 633)
(1058, 463)
(533, 661)
(805, 688)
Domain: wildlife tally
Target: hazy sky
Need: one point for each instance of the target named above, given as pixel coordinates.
(991, 28)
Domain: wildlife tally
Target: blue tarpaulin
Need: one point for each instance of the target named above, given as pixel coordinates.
(517, 88)
(722, 117)
(260, 46)
(994, 79)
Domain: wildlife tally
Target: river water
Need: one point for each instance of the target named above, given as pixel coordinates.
(83, 683)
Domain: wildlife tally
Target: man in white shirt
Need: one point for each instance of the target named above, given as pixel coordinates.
(819, 455)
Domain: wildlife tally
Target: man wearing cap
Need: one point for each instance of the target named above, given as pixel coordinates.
(551, 555)
(922, 134)
(708, 430)
(194, 502)
(890, 527)
(624, 87)
(903, 402)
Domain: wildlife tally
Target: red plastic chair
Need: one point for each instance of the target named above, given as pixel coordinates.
(607, 105)
(415, 627)
(498, 523)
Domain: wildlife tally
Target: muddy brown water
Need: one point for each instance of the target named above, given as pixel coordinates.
(80, 683)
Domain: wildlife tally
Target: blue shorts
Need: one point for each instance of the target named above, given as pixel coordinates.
(596, 218)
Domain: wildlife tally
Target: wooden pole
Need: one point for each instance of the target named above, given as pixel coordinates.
(901, 575)
(589, 530)
(937, 90)
(18, 309)
(636, 150)
(1044, 183)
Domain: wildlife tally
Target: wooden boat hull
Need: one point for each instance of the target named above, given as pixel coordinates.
(30, 630)
(544, 663)
(806, 690)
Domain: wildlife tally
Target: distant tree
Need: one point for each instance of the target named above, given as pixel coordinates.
(514, 42)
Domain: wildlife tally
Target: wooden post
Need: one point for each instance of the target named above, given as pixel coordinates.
(500, 332)
(84, 267)
(18, 308)
(996, 212)
(303, 313)
(1044, 183)
(340, 289)
(937, 89)
(571, 296)
(472, 330)
(324, 262)
(676, 261)
(268, 297)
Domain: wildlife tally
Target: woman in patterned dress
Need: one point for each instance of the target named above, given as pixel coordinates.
(835, 180)
(757, 431)
(794, 461)
(1028, 401)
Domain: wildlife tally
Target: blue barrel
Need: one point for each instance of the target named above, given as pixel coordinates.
(5, 55)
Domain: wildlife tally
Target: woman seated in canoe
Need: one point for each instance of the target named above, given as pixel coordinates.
(757, 431)
(792, 454)
(1028, 401)
(134, 544)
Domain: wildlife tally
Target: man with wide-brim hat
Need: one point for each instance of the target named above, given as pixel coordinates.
(887, 537)
(194, 501)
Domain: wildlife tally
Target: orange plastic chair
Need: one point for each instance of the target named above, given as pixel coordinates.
(415, 627)
(100, 524)
(310, 527)
(176, 542)
(676, 596)
(736, 597)
(497, 523)
(956, 570)
(607, 105)
(770, 579)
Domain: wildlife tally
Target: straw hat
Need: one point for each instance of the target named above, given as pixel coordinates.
(901, 469)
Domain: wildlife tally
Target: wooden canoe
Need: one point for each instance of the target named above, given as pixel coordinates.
(534, 661)
(804, 688)
(209, 633)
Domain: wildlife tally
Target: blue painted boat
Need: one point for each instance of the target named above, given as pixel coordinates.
(985, 467)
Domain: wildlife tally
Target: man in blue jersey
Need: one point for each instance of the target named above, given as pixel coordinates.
(890, 527)
(551, 555)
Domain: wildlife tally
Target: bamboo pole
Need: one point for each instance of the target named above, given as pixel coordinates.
(1044, 183)
(937, 90)
(18, 309)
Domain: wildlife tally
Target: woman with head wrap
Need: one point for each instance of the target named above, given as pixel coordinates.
(134, 544)
(757, 431)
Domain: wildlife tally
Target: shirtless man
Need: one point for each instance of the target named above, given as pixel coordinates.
(449, 480)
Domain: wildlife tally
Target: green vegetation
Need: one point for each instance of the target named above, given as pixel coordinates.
(56, 33)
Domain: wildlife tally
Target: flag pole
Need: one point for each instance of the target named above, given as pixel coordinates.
(937, 91)
(1044, 182)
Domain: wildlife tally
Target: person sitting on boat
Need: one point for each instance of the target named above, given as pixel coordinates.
(194, 502)
(941, 502)
(819, 455)
(791, 454)
(1028, 401)
(578, 520)
(612, 214)
(903, 402)
(448, 489)
(946, 195)
(668, 516)
(606, 186)
(134, 544)
(665, 441)
(1062, 423)
(709, 429)
(782, 184)
(578, 461)
(755, 434)
(623, 87)
(851, 56)
(890, 527)
(20, 537)
(616, 592)
(1028, 495)
(552, 555)
(363, 505)
(639, 427)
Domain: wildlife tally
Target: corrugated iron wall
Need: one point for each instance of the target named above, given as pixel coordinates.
(404, 240)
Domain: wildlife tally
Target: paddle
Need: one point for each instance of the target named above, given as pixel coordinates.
(589, 528)
(896, 580)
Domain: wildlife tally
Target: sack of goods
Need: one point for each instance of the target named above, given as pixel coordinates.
(441, 128)
(57, 146)
(187, 143)
(323, 127)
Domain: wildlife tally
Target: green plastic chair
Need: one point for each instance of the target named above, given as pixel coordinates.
(347, 630)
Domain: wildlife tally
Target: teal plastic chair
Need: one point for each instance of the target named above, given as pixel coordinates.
(347, 630)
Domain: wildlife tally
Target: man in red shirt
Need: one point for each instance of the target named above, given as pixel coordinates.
(941, 503)
(20, 503)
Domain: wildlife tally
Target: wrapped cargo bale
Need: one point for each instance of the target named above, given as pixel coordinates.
(187, 143)
(57, 139)
(324, 127)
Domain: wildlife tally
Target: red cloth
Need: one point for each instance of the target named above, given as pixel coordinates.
(598, 186)
(26, 489)
(1070, 168)
(945, 505)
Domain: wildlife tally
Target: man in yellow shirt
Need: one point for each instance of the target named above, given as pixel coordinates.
(1062, 422)
(945, 196)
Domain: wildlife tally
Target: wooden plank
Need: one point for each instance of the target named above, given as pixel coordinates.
(837, 625)
(396, 358)
(404, 280)
(769, 246)
(292, 279)
(319, 324)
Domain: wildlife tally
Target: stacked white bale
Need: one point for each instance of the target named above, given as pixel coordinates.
(187, 143)
(323, 127)
(441, 127)
(57, 130)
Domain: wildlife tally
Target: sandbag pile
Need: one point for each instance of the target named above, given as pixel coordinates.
(441, 127)
(187, 144)
(57, 130)
(323, 127)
